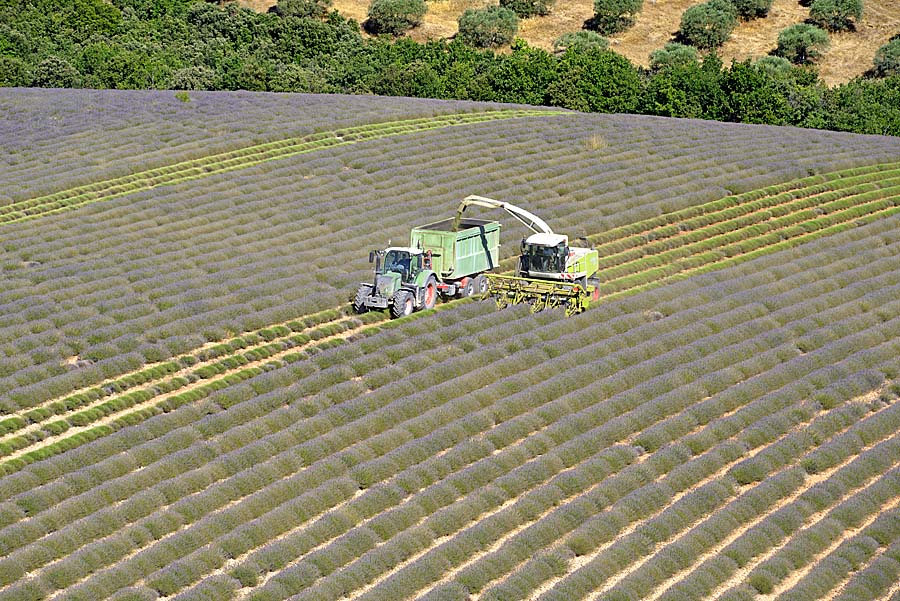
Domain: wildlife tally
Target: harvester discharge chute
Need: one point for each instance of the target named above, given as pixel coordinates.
(550, 272)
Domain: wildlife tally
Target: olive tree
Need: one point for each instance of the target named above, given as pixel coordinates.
(489, 27)
(673, 54)
(394, 16)
(528, 8)
(613, 16)
(887, 58)
(836, 15)
(302, 8)
(708, 25)
(579, 41)
(802, 43)
(752, 9)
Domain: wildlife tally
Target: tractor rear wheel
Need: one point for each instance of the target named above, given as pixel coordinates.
(431, 293)
(402, 304)
(359, 301)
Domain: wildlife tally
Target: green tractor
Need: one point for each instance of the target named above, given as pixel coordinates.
(404, 282)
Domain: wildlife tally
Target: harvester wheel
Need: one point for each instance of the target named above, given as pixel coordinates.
(480, 284)
(430, 293)
(402, 304)
(359, 301)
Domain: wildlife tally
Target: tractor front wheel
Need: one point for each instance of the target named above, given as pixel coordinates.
(359, 301)
(402, 304)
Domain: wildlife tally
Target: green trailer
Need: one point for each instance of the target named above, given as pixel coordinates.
(447, 258)
(459, 256)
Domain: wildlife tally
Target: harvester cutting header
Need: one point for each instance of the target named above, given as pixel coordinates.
(455, 257)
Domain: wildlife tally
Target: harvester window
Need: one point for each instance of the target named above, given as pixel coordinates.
(546, 259)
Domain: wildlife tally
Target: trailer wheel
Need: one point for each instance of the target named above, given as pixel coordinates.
(359, 301)
(466, 287)
(402, 304)
(430, 293)
(481, 284)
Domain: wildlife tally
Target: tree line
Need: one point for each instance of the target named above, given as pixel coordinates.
(194, 45)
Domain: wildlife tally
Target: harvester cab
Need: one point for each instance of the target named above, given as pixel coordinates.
(549, 257)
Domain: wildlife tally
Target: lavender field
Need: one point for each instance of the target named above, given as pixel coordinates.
(188, 410)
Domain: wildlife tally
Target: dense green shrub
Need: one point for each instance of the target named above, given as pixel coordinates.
(836, 15)
(708, 25)
(489, 27)
(613, 16)
(579, 41)
(528, 8)
(752, 9)
(302, 8)
(595, 80)
(887, 58)
(394, 16)
(55, 72)
(802, 43)
(673, 54)
(776, 66)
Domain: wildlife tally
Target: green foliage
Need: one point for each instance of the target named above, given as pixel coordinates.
(801, 43)
(613, 16)
(595, 80)
(523, 76)
(673, 55)
(14, 72)
(775, 66)
(528, 8)
(685, 89)
(887, 59)
(580, 41)
(394, 16)
(836, 15)
(315, 9)
(865, 106)
(752, 9)
(708, 25)
(489, 27)
(153, 9)
(55, 72)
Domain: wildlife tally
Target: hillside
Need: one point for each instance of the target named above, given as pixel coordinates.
(849, 56)
(189, 410)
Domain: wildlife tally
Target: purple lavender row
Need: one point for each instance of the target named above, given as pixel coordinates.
(762, 292)
(188, 297)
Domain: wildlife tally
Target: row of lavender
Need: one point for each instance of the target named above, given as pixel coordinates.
(56, 139)
(784, 219)
(147, 277)
(481, 446)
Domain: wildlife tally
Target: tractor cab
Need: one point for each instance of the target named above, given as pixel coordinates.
(407, 262)
(403, 281)
(544, 255)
